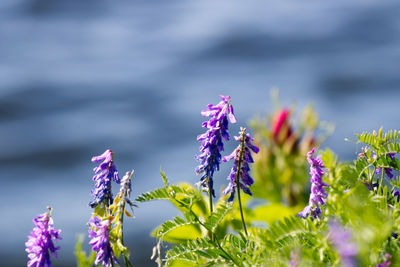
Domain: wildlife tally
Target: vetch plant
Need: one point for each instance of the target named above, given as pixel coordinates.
(318, 194)
(106, 223)
(40, 244)
(239, 177)
(212, 142)
(285, 226)
(104, 173)
(100, 234)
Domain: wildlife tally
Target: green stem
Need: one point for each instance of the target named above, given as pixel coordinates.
(381, 183)
(214, 237)
(371, 181)
(238, 182)
(121, 221)
(210, 200)
(211, 235)
(227, 254)
(241, 212)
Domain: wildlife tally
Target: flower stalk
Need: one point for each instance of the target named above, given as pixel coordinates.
(40, 243)
(237, 181)
(239, 177)
(318, 195)
(104, 174)
(119, 209)
(212, 144)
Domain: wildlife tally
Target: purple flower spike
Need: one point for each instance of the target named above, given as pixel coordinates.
(211, 140)
(318, 195)
(341, 239)
(100, 241)
(242, 157)
(103, 175)
(40, 242)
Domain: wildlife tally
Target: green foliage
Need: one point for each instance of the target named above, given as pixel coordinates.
(178, 230)
(360, 198)
(82, 260)
(194, 251)
(184, 196)
(114, 211)
(362, 201)
(217, 216)
(280, 169)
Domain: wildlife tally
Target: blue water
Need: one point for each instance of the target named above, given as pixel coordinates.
(78, 77)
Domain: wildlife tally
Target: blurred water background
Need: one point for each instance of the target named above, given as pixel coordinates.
(80, 76)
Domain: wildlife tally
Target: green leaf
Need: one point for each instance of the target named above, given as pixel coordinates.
(273, 212)
(164, 177)
(82, 259)
(181, 263)
(157, 194)
(329, 159)
(168, 193)
(287, 231)
(194, 250)
(178, 230)
(217, 216)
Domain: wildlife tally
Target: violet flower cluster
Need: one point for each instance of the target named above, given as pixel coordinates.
(104, 173)
(100, 241)
(240, 170)
(341, 239)
(40, 243)
(318, 194)
(211, 140)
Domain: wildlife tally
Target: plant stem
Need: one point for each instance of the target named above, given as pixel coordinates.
(227, 254)
(211, 210)
(241, 212)
(381, 183)
(214, 238)
(121, 221)
(238, 182)
(371, 181)
(210, 200)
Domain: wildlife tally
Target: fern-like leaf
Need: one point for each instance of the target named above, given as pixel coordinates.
(178, 230)
(195, 249)
(166, 193)
(217, 216)
(287, 231)
(157, 194)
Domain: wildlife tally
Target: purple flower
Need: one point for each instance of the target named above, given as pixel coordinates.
(100, 241)
(388, 171)
(103, 175)
(126, 184)
(387, 261)
(211, 140)
(318, 195)
(242, 157)
(40, 242)
(368, 185)
(125, 190)
(340, 238)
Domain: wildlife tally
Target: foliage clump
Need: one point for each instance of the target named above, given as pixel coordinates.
(352, 217)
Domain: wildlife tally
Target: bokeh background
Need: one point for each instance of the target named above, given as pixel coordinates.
(80, 76)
